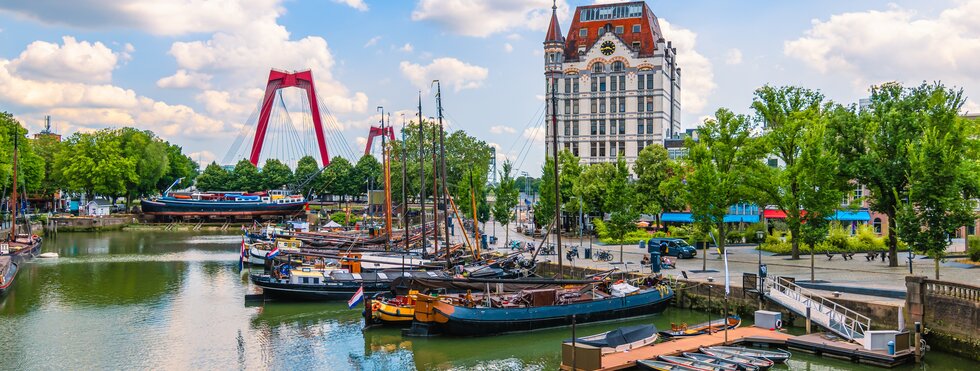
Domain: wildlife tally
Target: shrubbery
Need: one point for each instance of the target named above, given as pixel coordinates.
(633, 237)
(973, 251)
(838, 240)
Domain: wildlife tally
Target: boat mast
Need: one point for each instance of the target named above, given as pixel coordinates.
(404, 149)
(385, 155)
(476, 225)
(554, 153)
(13, 199)
(442, 160)
(422, 173)
(435, 193)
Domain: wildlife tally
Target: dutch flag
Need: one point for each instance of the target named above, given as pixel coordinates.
(356, 299)
(241, 257)
(273, 253)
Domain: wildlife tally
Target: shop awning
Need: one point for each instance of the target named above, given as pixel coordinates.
(686, 218)
(676, 218)
(773, 214)
(851, 216)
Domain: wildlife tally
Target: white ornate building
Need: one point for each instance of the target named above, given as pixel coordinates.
(616, 81)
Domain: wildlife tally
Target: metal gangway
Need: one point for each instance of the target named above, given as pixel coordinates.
(840, 320)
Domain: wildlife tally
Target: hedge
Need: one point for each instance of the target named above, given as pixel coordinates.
(838, 240)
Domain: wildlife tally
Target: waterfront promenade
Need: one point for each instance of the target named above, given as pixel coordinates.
(855, 273)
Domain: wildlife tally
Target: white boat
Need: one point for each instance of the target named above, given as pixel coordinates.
(621, 339)
(49, 255)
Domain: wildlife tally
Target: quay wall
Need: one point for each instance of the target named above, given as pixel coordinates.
(950, 313)
(88, 224)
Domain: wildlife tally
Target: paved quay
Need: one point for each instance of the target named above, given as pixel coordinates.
(875, 278)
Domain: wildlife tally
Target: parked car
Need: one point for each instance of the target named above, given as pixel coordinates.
(674, 247)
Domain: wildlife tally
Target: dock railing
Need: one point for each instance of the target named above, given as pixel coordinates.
(840, 319)
(952, 289)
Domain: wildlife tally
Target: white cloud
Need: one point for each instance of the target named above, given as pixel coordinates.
(372, 42)
(514, 36)
(508, 48)
(450, 71)
(203, 157)
(501, 129)
(407, 48)
(536, 134)
(356, 4)
(733, 56)
(696, 70)
(482, 18)
(76, 61)
(874, 46)
(183, 79)
(153, 16)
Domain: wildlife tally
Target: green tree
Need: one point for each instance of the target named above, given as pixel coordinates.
(876, 144)
(31, 167)
(178, 166)
(306, 168)
(275, 174)
(506, 199)
(544, 211)
(943, 184)
(654, 170)
(593, 185)
(338, 179)
(368, 172)
(621, 201)
(149, 154)
(245, 177)
(793, 118)
(48, 147)
(721, 160)
(214, 178)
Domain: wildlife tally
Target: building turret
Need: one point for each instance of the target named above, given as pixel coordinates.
(554, 43)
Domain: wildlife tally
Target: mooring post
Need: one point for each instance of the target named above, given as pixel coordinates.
(808, 319)
(918, 342)
(573, 343)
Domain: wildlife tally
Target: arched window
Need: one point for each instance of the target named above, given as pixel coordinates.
(618, 66)
(598, 68)
(877, 225)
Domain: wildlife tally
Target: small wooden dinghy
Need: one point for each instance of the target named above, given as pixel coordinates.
(8, 272)
(703, 328)
(48, 255)
(707, 366)
(761, 363)
(719, 361)
(775, 355)
(664, 366)
(621, 339)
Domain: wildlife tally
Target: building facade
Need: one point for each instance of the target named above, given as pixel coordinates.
(615, 80)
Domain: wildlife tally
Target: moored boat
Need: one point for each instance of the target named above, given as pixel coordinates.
(683, 330)
(308, 283)
(489, 314)
(775, 355)
(761, 363)
(719, 361)
(701, 365)
(393, 311)
(8, 272)
(621, 339)
(664, 366)
(276, 202)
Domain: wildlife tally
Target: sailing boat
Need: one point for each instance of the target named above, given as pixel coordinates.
(16, 248)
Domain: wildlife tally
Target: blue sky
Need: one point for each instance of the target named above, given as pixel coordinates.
(193, 71)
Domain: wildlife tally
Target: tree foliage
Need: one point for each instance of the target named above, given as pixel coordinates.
(506, 197)
(276, 175)
(656, 190)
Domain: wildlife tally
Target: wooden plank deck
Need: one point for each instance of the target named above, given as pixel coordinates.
(618, 361)
(820, 345)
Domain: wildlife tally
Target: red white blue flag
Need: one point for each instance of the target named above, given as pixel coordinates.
(242, 255)
(356, 299)
(273, 253)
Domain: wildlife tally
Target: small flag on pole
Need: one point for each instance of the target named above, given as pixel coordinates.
(241, 256)
(273, 253)
(356, 299)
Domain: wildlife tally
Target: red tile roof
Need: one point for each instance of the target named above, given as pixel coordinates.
(649, 33)
(554, 29)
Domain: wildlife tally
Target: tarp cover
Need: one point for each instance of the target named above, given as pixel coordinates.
(620, 336)
(622, 289)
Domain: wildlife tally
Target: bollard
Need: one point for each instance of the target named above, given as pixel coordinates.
(891, 347)
(807, 319)
(918, 342)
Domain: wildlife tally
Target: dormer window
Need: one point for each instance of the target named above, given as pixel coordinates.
(636, 28)
(619, 30)
(636, 45)
(583, 32)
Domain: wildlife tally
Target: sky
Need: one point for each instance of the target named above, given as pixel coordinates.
(194, 71)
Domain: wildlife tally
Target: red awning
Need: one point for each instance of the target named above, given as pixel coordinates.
(773, 214)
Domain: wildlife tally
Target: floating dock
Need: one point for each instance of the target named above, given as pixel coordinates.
(588, 358)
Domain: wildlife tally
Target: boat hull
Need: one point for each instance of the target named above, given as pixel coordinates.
(219, 208)
(333, 291)
(7, 276)
(463, 321)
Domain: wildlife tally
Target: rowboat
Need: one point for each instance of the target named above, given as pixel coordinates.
(720, 324)
(720, 361)
(701, 365)
(8, 271)
(761, 363)
(621, 339)
(775, 355)
(664, 366)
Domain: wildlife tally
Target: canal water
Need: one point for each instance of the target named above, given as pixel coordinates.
(173, 300)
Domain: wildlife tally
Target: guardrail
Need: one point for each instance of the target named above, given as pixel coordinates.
(843, 320)
(952, 289)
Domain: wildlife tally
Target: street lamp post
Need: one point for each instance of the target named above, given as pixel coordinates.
(758, 286)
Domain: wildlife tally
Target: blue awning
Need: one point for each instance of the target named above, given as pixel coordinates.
(676, 218)
(686, 218)
(851, 216)
(732, 218)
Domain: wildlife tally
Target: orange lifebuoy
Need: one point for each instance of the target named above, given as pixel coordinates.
(375, 306)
